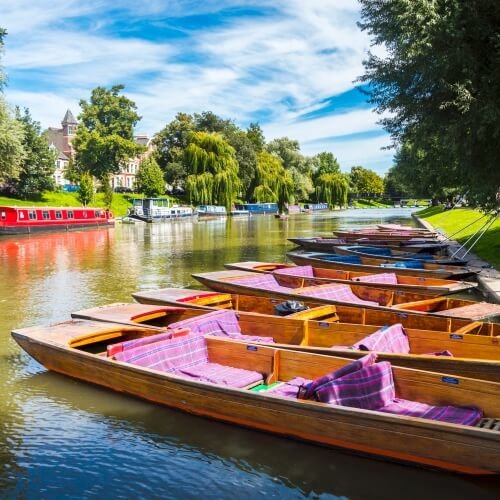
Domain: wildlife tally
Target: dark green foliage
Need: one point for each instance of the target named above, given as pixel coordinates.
(105, 136)
(38, 164)
(149, 179)
(86, 188)
(365, 183)
(11, 144)
(439, 81)
(397, 185)
(332, 188)
(256, 135)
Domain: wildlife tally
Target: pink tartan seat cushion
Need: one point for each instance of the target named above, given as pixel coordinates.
(302, 271)
(168, 355)
(370, 386)
(386, 278)
(288, 389)
(450, 414)
(223, 375)
(222, 323)
(388, 339)
(262, 281)
(341, 293)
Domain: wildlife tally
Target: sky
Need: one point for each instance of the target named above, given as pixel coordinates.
(289, 65)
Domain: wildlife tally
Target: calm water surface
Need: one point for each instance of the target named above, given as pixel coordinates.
(63, 438)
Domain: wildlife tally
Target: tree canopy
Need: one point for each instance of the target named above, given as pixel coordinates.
(213, 170)
(36, 172)
(149, 179)
(365, 182)
(104, 138)
(438, 80)
(12, 151)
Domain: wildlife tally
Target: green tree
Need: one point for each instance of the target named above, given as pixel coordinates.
(396, 185)
(365, 182)
(256, 135)
(86, 188)
(104, 139)
(273, 182)
(36, 172)
(288, 150)
(213, 170)
(438, 83)
(324, 163)
(332, 188)
(12, 151)
(149, 179)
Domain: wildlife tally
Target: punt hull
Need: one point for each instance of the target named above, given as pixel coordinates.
(480, 311)
(442, 446)
(425, 289)
(478, 356)
(304, 259)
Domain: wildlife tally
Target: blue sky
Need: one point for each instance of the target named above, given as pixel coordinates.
(288, 64)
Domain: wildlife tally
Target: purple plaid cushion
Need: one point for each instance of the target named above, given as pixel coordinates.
(223, 375)
(131, 344)
(340, 293)
(168, 355)
(287, 389)
(251, 338)
(222, 322)
(387, 278)
(302, 271)
(308, 391)
(388, 339)
(450, 414)
(370, 388)
(262, 281)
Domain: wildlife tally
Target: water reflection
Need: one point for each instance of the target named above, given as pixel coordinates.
(60, 437)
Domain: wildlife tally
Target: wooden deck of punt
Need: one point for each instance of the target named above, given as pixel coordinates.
(315, 330)
(385, 235)
(421, 285)
(397, 256)
(371, 265)
(226, 281)
(328, 244)
(69, 348)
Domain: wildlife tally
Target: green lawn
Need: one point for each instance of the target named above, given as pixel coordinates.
(371, 204)
(450, 221)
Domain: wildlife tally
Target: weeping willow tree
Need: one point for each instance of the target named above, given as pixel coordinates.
(272, 182)
(332, 189)
(213, 170)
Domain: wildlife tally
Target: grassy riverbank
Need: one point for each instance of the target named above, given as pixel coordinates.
(450, 221)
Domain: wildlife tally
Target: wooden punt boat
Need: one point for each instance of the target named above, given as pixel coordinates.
(74, 348)
(319, 276)
(386, 255)
(316, 330)
(321, 244)
(203, 299)
(372, 265)
(385, 235)
(233, 281)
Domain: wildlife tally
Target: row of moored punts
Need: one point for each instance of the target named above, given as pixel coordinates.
(379, 358)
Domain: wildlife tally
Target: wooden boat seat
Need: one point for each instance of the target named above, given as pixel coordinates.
(473, 311)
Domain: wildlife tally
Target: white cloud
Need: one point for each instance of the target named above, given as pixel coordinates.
(281, 66)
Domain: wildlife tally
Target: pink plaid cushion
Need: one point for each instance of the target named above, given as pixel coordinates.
(451, 414)
(219, 322)
(339, 293)
(168, 355)
(302, 271)
(388, 339)
(223, 375)
(287, 389)
(387, 278)
(262, 281)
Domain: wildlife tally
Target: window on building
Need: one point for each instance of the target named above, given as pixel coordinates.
(3, 214)
(32, 214)
(21, 215)
(46, 214)
(58, 214)
(70, 214)
(97, 213)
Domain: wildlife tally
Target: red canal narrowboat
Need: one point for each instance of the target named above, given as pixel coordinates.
(24, 220)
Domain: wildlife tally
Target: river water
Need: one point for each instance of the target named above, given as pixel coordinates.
(60, 438)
